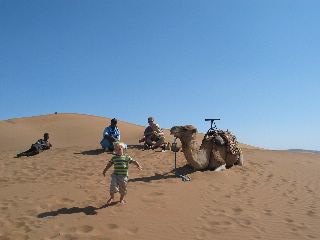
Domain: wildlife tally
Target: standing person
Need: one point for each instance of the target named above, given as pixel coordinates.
(37, 147)
(153, 135)
(111, 134)
(119, 177)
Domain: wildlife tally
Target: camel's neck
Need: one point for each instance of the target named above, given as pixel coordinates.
(195, 157)
(189, 143)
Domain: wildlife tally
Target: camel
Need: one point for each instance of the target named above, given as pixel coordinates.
(214, 152)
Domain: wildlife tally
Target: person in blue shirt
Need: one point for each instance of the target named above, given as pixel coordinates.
(111, 134)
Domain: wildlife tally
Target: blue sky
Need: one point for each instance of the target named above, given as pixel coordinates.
(252, 63)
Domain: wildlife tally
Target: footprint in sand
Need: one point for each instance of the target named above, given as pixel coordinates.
(245, 222)
(67, 171)
(268, 212)
(4, 208)
(288, 220)
(311, 213)
(133, 230)
(4, 180)
(201, 235)
(214, 227)
(157, 194)
(66, 200)
(308, 189)
(85, 229)
(112, 226)
(269, 177)
(222, 223)
(257, 237)
(237, 211)
(295, 227)
(255, 182)
(311, 237)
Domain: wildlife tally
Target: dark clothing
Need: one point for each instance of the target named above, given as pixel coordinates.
(42, 144)
(148, 131)
(36, 148)
(153, 137)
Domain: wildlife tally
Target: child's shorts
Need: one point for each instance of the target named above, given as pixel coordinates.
(118, 184)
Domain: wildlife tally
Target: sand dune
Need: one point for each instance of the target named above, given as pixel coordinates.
(61, 193)
(65, 130)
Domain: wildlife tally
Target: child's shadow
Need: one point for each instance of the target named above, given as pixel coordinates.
(89, 210)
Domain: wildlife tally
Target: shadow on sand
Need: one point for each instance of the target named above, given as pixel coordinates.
(91, 152)
(139, 147)
(89, 210)
(184, 170)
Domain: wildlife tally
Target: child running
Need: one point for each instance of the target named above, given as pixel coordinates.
(119, 177)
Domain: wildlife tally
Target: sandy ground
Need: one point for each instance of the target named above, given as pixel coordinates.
(61, 193)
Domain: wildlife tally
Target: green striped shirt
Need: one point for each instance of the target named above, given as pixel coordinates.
(121, 164)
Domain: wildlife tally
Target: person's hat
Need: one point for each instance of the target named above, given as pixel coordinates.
(150, 119)
(113, 120)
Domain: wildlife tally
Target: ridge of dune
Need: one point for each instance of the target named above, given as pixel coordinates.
(67, 130)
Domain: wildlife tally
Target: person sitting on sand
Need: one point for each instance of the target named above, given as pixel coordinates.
(153, 135)
(111, 134)
(37, 147)
(119, 177)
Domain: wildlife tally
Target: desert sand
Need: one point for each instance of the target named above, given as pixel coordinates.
(61, 193)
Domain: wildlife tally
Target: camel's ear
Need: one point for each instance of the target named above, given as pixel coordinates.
(194, 130)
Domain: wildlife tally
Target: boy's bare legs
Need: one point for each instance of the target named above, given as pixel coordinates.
(111, 198)
(122, 201)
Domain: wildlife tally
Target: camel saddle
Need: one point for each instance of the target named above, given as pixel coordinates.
(220, 137)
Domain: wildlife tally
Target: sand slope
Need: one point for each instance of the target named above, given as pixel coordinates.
(61, 194)
(65, 130)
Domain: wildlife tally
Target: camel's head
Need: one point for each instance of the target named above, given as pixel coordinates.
(183, 131)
